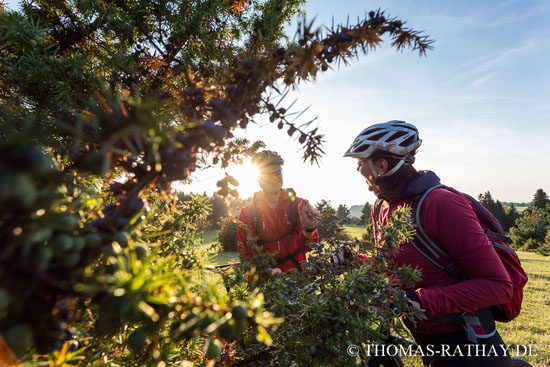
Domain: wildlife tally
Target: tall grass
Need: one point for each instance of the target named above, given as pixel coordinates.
(532, 327)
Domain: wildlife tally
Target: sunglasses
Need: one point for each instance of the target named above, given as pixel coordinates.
(276, 172)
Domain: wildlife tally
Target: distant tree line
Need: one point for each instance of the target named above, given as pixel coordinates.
(529, 230)
(532, 229)
(506, 215)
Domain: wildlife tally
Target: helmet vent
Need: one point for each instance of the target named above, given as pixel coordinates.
(368, 132)
(362, 148)
(405, 125)
(378, 136)
(397, 135)
(407, 142)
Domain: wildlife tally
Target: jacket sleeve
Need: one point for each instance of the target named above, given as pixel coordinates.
(449, 219)
(245, 250)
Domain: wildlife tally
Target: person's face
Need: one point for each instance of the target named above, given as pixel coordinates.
(364, 168)
(271, 179)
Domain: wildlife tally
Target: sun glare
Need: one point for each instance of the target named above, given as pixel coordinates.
(246, 174)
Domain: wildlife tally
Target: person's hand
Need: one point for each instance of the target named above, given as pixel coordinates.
(341, 255)
(308, 215)
(413, 302)
(412, 306)
(313, 267)
(275, 271)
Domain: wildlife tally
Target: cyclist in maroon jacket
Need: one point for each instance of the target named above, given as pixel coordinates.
(385, 154)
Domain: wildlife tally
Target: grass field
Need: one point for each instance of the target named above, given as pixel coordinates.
(532, 327)
(355, 231)
(533, 324)
(212, 235)
(209, 236)
(520, 209)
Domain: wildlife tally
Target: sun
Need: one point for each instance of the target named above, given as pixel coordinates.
(246, 174)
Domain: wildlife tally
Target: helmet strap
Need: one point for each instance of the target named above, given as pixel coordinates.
(394, 169)
(375, 173)
(373, 169)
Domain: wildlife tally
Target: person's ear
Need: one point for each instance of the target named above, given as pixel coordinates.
(381, 166)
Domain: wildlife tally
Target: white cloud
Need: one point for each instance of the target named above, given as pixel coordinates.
(481, 81)
(495, 59)
(480, 18)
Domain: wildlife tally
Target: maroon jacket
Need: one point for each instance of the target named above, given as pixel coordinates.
(449, 219)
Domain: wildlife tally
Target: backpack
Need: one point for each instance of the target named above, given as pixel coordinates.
(434, 253)
(292, 214)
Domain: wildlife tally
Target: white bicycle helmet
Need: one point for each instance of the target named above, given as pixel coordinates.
(395, 138)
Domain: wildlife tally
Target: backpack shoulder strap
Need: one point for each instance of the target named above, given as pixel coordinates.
(255, 217)
(425, 245)
(292, 210)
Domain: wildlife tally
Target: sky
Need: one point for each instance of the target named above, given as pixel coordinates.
(480, 99)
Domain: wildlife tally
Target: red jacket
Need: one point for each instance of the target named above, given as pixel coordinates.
(449, 219)
(274, 223)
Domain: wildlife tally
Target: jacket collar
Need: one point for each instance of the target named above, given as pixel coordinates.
(415, 187)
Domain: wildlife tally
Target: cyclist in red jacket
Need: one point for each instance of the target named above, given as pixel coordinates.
(282, 222)
(385, 154)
